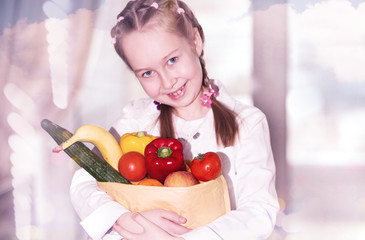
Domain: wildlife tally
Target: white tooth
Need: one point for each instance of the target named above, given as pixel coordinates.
(178, 92)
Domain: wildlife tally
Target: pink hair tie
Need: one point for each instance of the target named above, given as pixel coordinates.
(205, 100)
(213, 91)
(114, 40)
(180, 10)
(154, 5)
(120, 19)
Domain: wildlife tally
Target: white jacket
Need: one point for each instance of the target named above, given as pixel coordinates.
(248, 168)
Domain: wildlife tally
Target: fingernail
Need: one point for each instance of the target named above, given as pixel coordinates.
(182, 219)
(134, 214)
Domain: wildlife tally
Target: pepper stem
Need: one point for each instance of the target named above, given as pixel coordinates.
(164, 152)
(140, 134)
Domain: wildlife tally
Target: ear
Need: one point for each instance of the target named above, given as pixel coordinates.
(198, 43)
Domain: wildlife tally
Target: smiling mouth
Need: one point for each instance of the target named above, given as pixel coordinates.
(178, 92)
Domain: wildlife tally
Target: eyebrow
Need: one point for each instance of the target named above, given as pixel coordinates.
(163, 60)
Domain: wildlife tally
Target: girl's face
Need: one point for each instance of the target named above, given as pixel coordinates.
(168, 68)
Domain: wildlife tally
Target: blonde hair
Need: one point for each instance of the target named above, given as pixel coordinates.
(140, 14)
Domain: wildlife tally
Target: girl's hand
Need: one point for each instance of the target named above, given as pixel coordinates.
(126, 221)
(168, 221)
(146, 229)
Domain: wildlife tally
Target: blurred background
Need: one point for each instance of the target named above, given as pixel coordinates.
(300, 61)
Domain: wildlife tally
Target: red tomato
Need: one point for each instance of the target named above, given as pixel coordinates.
(132, 166)
(206, 166)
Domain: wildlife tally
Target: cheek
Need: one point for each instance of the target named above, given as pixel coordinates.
(192, 70)
(198, 72)
(150, 88)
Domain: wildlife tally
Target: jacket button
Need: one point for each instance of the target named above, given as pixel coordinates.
(196, 135)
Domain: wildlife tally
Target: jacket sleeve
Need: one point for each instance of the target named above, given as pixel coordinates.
(98, 212)
(254, 189)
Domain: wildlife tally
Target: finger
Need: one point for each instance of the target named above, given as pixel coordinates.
(152, 231)
(175, 228)
(169, 221)
(173, 222)
(174, 217)
(124, 232)
(141, 220)
(127, 222)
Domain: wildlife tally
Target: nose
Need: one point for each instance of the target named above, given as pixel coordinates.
(167, 80)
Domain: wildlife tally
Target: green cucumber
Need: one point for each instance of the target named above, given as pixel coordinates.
(83, 156)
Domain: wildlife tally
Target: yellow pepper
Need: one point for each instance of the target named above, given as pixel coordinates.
(136, 141)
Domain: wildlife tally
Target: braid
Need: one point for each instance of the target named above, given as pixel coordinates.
(166, 124)
(225, 124)
(204, 70)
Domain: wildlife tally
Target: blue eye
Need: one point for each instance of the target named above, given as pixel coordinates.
(172, 60)
(147, 74)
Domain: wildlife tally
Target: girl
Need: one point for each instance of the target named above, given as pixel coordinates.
(161, 41)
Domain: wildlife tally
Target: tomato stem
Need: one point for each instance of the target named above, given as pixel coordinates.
(200, 156)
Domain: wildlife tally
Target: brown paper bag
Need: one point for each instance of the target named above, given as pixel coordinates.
(199, 204)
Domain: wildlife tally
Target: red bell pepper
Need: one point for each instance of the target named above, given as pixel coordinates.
(163, 156)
